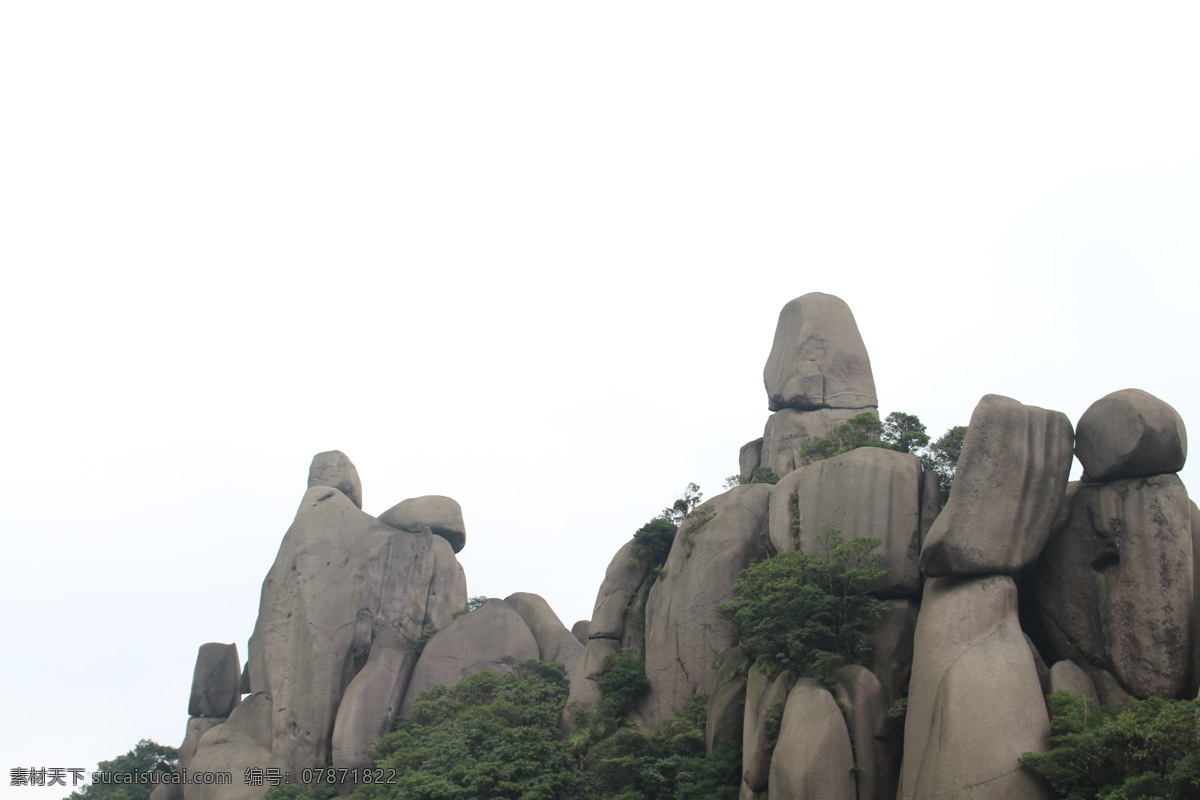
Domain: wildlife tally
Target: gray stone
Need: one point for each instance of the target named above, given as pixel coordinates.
(726, 705)
(931, 500)
(332, 468)
(340, 576)
(1115, 584)
(1008, 486)
(440, 514)
(1066, 676)
(866, 492)
(215, 681)
(749, 459)
(241, 742)
(622, 580)
(818, 359)
(370, 703)
(787, 431)
(861, 698)
(765, 698)
(1195, 517)
(1130, 434)
(492, 637)
(683, 634)
(580, 630)
(975, 704)
(196, 728)
(554, 641)
(814, 759)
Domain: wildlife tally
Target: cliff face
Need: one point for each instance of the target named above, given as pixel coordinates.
(1024, 583)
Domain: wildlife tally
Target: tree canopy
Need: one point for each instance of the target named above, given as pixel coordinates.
(146, 757)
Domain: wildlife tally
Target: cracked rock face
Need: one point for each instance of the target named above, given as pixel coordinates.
(1114, 588)
(334, 469)
(215, 681)
(1007, 494)
(339, 578)
(818, 359)
(684, 637)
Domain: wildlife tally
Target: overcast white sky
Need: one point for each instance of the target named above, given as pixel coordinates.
(528, 255)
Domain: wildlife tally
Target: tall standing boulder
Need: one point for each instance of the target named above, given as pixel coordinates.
(814, 758)
(340, 576)
(370, 703)
(1008, 490)
(1130, 434)
(215, 681)
(818, 359)
(975, 703)
(554, 641)
(684, 636)
(1114, 588)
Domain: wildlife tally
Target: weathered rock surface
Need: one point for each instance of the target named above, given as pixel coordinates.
(580, 630)
(814, 758)
(818, 359)
(758, 744)
(1195, 514)
(1130, 434)
(196, 728)
(340, 576)
(370, 703)
(333, 469)
(931, 500)
(1066, 676)
(243, 741)
(1008, 487)
(749, 459)
(215, 681)
(440, 514)
(726, 705)
(492, 637)
(860, 696)
(866, 492)
(554, 641)
(622, 580)
(975, 704)
(787, 431)
(683, 634)
(1115, 584)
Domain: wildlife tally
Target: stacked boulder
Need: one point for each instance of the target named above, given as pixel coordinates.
(1113, 592)
(817, 376)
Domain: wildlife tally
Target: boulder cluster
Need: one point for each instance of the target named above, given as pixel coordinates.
(1024, 584)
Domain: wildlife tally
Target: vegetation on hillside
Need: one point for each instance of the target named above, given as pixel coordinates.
(809, 612)
(145, 758)
(1149, 751)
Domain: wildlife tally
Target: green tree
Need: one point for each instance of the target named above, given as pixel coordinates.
(942, 457)
(810, 612)
(677, 512)
(144, 759)
(861, 430)
(1148, 751)
(904, 432)
(489, 736)
(652, 543)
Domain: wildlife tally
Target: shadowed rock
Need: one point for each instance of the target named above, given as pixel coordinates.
(818, 359)
(726, 706)
(1130, 434)
(1008, 488)
(1114, 587)
(440, 514)
(1066, 676)
(242, 742)
(370, 703)
(750, 459)
(764, 698)
(333, 469)
(580, 630)
(215, 681)
(492, 637)
(683, 634)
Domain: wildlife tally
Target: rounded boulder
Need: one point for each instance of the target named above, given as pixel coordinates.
(1130, 434)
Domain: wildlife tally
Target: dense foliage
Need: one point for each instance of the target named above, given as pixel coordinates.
(1148, 751)
(942, 457)
(493, 736)
(147, 757)
(809, 612)
(652, 543)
